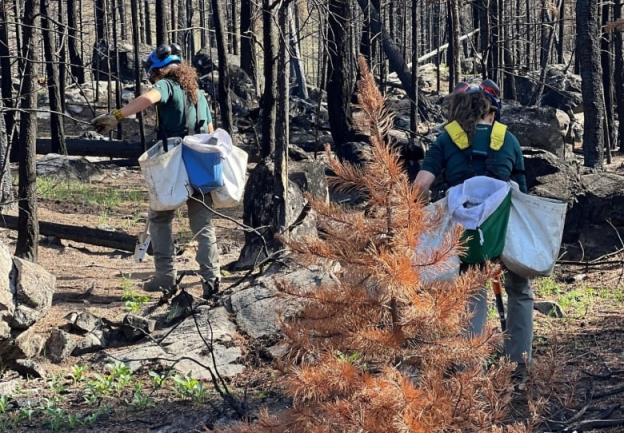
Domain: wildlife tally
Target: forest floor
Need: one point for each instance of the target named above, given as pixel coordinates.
(579, 358)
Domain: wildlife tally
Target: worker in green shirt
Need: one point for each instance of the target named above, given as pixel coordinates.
(182, 110)
(474, 143)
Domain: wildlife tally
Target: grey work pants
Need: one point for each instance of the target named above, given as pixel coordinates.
(200, 219)
(519, 335)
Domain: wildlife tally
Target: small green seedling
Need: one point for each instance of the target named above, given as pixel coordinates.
(140, 400)
(158, 380)
(133, 301)
(4, 404)
(188, 387)
(57, 385)
(26, 413)
(78, 373)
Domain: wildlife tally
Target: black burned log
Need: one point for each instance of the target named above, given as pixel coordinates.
(87, 235)
(86, 147)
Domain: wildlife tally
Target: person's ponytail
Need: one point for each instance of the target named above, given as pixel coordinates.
(468, 109)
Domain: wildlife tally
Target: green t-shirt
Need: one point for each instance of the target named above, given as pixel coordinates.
(174, 106)
(505, 164)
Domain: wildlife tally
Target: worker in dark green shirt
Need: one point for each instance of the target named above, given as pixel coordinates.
(182, 110)
(474, 143)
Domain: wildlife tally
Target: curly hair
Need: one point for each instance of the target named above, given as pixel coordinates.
(184, 74)
(467, 109)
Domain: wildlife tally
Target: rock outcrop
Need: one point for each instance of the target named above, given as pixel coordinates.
(26, 291)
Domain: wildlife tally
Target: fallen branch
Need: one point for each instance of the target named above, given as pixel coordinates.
(610, 392)
(591, 424)
(104, 238)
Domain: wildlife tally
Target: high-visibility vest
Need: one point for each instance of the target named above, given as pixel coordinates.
(461, 140)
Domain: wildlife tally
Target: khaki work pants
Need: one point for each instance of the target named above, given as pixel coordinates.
(519, 335)
(200, 219)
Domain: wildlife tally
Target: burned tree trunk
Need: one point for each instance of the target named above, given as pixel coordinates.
(561, 42)
(484, 37)
(619, 73)
(161, 22)
(182, 35)
(414, 95)
(247, 50)
(6, 189)
(147, 24)
(454, 50)
(122, 19)
(134, 14)
(100, 24)
(296, 62)
(607, 80)
(588, 52)
(268, 102)
(6, 70)
(282, 135)
(225, 101)
(28, 230)
(61, 44)
(233, 27)
(57, 131)
(340, 76)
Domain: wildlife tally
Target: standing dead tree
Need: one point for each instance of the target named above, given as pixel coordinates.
(225, 99)
(588, 52)
(28, 231)
(57, 130)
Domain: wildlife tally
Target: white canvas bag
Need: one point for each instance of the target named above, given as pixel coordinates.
(432, 241)
(165, 176)
(534, 234)
(234, 166)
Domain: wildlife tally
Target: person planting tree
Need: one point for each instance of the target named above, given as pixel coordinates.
(474, 144)
(182, 110)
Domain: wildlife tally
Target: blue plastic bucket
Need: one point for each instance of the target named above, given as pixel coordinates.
(204, 169)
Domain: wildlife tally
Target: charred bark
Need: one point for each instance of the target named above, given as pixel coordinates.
(282, 135)
(6, 183)
(28, 227)
(225, 99)
(6, 70)
(340, 76)
(619, 73)
(161, 22)
(268, 103)
(57, 130)
(588, 52)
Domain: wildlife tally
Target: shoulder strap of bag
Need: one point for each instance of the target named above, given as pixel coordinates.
(497, 138)
(458, 135)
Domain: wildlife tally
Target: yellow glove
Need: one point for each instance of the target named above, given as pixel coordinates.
(105, 123)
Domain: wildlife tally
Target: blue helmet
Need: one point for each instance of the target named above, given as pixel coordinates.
(162, 56)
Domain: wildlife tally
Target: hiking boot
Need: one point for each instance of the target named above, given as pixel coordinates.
(210, 288)
(160, 283)
(519, 377)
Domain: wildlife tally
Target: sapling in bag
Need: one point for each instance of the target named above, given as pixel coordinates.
(534, 234)
(165, 175)
(481, 205)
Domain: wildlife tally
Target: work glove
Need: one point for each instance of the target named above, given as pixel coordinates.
(105, 123)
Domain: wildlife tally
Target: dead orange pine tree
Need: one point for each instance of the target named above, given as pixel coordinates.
(380, 350)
